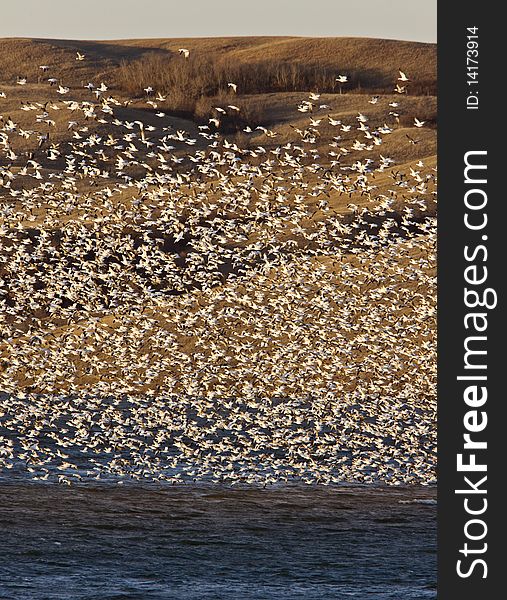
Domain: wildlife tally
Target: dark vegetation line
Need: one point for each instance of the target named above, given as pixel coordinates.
(193, 86)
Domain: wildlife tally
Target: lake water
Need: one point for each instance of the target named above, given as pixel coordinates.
(211, 542)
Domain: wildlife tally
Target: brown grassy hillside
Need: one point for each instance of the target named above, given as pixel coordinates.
(370, 63)
(211, 282)
(266, 97)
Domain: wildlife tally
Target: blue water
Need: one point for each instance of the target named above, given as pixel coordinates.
(197, 542)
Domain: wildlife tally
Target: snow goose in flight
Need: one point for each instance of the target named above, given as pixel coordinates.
(342, 79)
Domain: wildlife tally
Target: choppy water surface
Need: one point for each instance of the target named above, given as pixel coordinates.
(195, 542)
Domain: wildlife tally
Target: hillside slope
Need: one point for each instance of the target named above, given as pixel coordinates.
(370, 62)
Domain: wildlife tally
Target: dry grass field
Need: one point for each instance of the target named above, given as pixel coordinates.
(171, 237)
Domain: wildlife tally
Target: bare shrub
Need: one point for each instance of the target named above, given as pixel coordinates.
(195, 85)
(203, 76)
(251, 112)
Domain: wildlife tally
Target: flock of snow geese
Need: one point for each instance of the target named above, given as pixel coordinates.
(179, 307)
